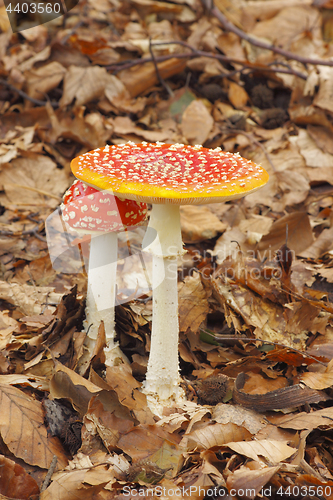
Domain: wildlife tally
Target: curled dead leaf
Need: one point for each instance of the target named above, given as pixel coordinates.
(198, 223)
(196, 123)
(193, 303)
(22, 429)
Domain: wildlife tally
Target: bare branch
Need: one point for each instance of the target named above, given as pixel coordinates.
(200, 53)
(162, 82)
(229, 26)
(26, 96)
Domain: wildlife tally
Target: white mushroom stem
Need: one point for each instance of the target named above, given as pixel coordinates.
(101, 293)
(162, 379)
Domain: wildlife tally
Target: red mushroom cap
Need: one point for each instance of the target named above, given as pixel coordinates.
(88, 209)
(169, 173)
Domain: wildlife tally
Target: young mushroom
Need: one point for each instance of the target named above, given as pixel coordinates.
(102, 215)
(167, 175)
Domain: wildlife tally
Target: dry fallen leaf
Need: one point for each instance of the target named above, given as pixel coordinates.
(295, 229)
(251, 481)
(198, 223)
(193, 303)
(43, 79)
(320, 246)
(274, 451)
(33, 179)
(196, 123)
(300, 421)
(28, 299)
(71, 485)
(66, 383)
(216, 435)
(237, 95)
(15, 482)
(23, 430)
(143, 441)
(110, 418)
(84, 84)
(121, 380)
(248, 419)
(319, 381)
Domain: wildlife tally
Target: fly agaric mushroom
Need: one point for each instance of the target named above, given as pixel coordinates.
(167, 175)
(90, 211)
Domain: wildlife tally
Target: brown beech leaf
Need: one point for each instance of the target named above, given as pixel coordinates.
(110, 417)
(77, 484)
(32, 179)
(264, 315)
(199, 223)
(121, 380)
(299, 234)
(307, 480)
(124, 126)
(310, 421)
(324, 140)
(84, 84)
(42, 80)
(193, 303)
(319, 247)
(15, 482)
(7, 326)
(66, 383)
(89, 130)
(196, 123)
(237, 95)
(251, 481)
(323, 97)
(281, 27)
(143, 441)
(319, 381)
(274, 451)
(216, 435)
(28, 299)
(22, 429)
(238, 415)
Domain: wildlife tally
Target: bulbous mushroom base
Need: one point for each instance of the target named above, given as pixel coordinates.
(156, 403)
(101, 294)
(113, 355)
(162, 379)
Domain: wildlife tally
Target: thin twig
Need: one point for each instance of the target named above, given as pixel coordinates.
(26, 96)
(229, 26)
(36, 190)
(200, 53)
(220, 338)
(162, 82)
(27, 232)
(49, 474)
(246, 64)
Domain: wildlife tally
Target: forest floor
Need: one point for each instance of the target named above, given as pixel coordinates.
(256, 283)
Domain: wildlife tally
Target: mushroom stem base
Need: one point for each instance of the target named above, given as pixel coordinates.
(162, 379)
(101, 294)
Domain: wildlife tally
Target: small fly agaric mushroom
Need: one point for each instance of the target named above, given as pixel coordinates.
(90, 211)
(167, 175)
